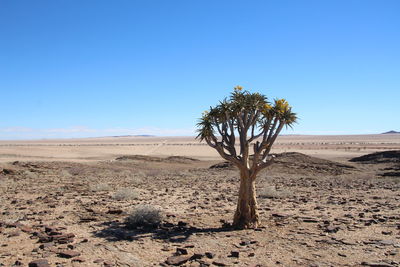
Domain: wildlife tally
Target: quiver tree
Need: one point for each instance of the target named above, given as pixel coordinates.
(243, 129)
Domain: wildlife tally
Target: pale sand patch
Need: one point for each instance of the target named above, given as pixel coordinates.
(107, 148)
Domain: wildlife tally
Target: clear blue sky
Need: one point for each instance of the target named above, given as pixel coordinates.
(91, 68)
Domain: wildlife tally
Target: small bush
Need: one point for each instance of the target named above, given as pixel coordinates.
(269, 191)
(144, 215)
(126, 194)
(100, 187)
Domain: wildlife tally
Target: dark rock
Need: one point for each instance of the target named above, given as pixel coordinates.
(279, 215)
(310, 220)
(219, 263)
(46, 245)
(376, 264)
(210, 255)
(387, 232)
(108, 264)
(64, 238)
(39, 263)
(115, 211)
(244, 243)
(197, 256)
(234, 254)
(182, 224)
(69, 254)
(223, 165)
(181, 251)
(332, 229)
(7, 172)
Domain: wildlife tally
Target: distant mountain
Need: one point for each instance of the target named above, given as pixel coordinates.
(138, 135)
(391, 132)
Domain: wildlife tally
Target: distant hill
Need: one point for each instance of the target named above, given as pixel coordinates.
(391, 132)
(138, 135)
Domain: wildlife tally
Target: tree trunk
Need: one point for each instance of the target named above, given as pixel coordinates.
(246, 215)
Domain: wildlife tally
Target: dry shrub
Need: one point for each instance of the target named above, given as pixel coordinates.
(75, 171)
(126, 194)
(154, 173)
(144, 215)
(270, 191)
(100, 187)
(65, 174)
(31, 175)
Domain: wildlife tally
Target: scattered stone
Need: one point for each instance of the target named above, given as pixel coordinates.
(219, 263)
(181, 251)
(115, 211)
(46, 245)
(197, 256)
(376, 264)
(69, 254)
(210, 255)
(177, 260)
(39, 263)
(108, 264)
(14, 233)
(26, 229)
(234, 254)
(310, 220)
(279, 215)
(331, 229)
(78, 259)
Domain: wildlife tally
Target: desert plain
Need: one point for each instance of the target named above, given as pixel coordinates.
(66, 202)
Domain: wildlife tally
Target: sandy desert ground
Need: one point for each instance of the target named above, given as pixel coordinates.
(66, 202)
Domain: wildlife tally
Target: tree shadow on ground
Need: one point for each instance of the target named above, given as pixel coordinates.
(178, 233)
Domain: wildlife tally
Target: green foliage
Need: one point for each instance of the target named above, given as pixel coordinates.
(243, 104)
(251, 118)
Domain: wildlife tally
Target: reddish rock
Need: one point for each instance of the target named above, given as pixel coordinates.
(78, 259)
(14, 233)
(177, 260)
(108, 264)
(43, 238)
(68, 254)
(53, 249)
(46, 245)
(26, 229)
(64, 238)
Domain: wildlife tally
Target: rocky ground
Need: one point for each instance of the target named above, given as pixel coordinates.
(314, 212)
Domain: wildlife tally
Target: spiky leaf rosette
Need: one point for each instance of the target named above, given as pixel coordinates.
(252, 119)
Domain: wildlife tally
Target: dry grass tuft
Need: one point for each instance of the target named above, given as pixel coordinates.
(270, 191)
(100, 187)
(144, 215)
(126, 194)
